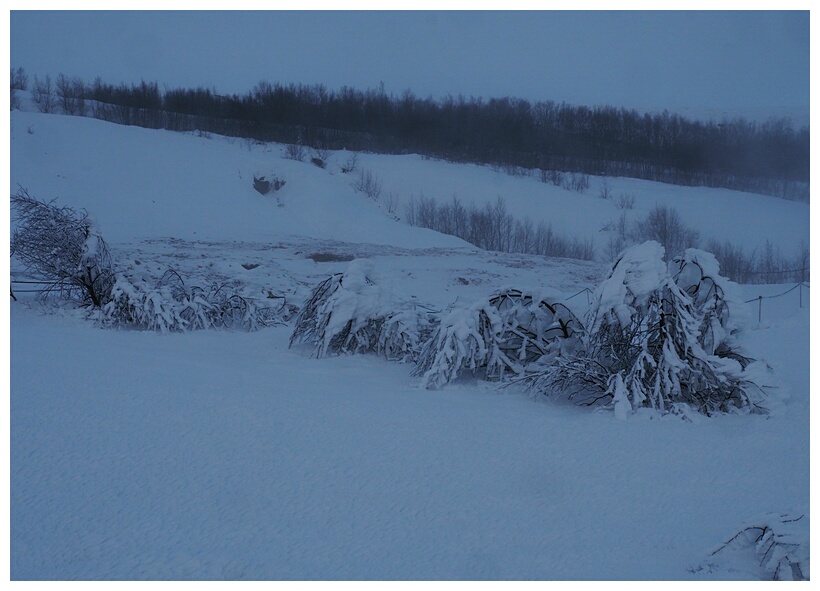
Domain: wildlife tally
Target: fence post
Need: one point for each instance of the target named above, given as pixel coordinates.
(759, 308)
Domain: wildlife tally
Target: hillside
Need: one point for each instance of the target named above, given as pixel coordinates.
(140, 183)
(230, 455)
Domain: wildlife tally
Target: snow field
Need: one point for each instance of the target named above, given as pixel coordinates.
(227, 455)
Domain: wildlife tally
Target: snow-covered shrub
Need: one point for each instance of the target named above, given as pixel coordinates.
(715, 298)
(781, 542)
(650, 344)
(63, 247)
(171, 306)
(465, 340)
(403, 334)
(503, 335)
(343, 314)
(535, 329)
(349, 313)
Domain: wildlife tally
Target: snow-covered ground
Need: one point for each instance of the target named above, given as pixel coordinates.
(228, 455)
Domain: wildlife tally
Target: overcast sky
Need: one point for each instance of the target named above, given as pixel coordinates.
(745, 63)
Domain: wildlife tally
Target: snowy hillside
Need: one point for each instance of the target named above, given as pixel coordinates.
(147, 183)
(229, 455)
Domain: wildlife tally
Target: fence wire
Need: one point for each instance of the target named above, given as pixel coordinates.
(759, 299)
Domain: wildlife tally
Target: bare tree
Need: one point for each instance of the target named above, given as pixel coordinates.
(66, 95)
(322, 153)
(295, 152)
(801, 262)
(391, 202)
(604, 192)
(664, 225)
(369, 184)
(626, 201)
(492, 227)
(81, 107)
(351, 163)
(19, 81)
(63, 247)
(43, 95)
(552, 176)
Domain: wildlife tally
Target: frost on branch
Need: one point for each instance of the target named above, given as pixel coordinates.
(501, 336)
(62, 246)
(657, 340)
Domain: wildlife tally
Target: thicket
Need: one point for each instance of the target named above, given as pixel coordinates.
(19, 81)
(663, 224)
(62, 250)
(770, 158)
(492, 227)
(503, 336)
(349, 313)
(169, 305)
(765, 265)
(657, 336)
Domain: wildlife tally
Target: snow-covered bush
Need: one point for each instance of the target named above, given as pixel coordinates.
(715, 299)
(171, 306)
(343, 314)
(402, 335)
(535, 330)
(465, 340)
(656, 340)
(348, 313)
(503, 335)
(780, 542)
(63, 247)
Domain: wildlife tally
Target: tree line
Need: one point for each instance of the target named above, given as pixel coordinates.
(492, 227)
(770, 158)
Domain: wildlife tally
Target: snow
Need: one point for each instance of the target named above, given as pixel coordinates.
(637, 273)
(228, 455)
(746, 219)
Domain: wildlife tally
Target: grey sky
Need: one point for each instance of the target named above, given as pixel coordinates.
(694, 62)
